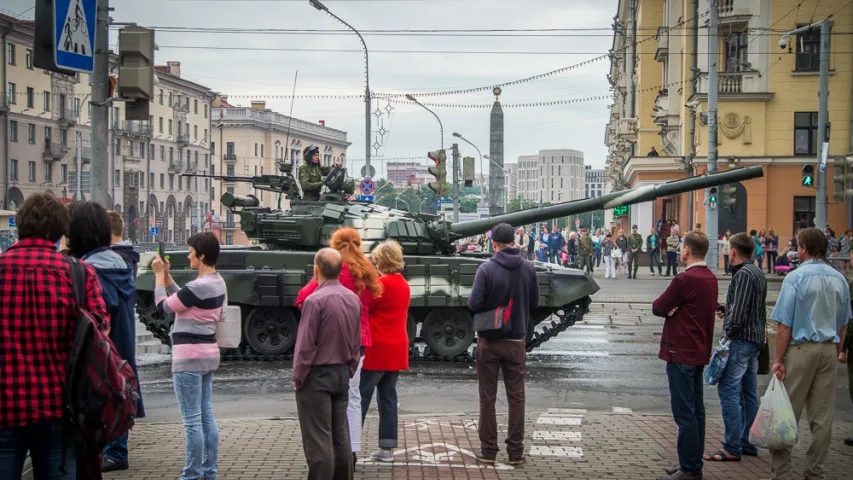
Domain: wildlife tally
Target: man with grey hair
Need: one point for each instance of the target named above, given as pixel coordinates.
(325, 358)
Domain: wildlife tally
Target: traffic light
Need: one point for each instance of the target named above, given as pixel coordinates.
(712, 197)
(728, 195)
(439, 171)
(808, 176)
(136, 70)
(468, 171)
(840, 179)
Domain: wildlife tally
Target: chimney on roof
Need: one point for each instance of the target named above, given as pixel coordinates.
(174, 68)
(259, 105)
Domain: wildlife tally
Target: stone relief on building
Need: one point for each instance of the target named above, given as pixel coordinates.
(732, 127)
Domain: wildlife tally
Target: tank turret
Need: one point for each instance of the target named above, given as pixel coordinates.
(265, 283)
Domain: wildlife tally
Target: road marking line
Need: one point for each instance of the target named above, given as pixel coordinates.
(622, 410)
(551, 435)
(567, 421)
(567, 452)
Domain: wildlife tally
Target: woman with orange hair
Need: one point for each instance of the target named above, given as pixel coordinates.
(359, 275)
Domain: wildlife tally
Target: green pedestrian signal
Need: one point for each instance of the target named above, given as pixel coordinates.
(808, 176)
(712, 197)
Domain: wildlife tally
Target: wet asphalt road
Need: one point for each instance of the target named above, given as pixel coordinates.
(608, 360)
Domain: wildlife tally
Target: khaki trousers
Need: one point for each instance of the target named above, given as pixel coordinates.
(812, 370)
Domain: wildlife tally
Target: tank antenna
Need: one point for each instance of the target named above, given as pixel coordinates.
(287, 137)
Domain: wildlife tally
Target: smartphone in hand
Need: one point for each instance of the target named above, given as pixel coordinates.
(721, 308)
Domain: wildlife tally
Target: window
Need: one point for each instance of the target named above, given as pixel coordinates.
(61, 106)
(31, 171)
(195, 106)
(63, 173)
(46, 106)
(13, 130)
(171, 182)
(10, 54)
(161, 124)
(170, 126)
(181, 186)
(117, 178)
(171, 154)
(205, 133)
(150, 179)
(737, 44)
(48, 173)
(31, 94)
(262, 150)
(12, 96)
(205, 111)
(162, 186)
(205, 184)
(195, 132)
(160, 97)
(161, 204)
(230, 169)
(142, 149)
(229, 149)
(808, 51)
(29, 59)
(63, 137)
(13, 171)
(805, 133)
(77, 111)
(804, 212)
(229, 237)
(129, 148)
(256, 149)
(170, 99)
(47, 133)
(31, 133)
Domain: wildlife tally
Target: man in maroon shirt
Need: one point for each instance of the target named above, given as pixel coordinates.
(327, 353)
(37, 318)
(689, 304)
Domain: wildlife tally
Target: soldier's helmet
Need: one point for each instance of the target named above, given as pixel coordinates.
(309, 152)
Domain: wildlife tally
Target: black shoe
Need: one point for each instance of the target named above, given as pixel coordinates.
(672, 470)
(111, 465)
(848, 442)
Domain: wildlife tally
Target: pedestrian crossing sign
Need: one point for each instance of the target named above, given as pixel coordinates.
(74, 34)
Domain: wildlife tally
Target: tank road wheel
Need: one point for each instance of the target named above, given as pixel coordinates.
(411, 328)
(448, 331)
(270, 331)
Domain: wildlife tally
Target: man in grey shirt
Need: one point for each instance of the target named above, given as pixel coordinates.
(325, 358)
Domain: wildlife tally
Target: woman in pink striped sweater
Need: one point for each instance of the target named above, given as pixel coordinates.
(195, 355)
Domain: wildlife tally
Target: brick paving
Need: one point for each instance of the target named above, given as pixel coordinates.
(560, 443)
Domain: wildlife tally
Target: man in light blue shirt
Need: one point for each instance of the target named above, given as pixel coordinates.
(813, 311)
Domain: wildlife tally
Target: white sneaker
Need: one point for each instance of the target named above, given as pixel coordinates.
(382, 455)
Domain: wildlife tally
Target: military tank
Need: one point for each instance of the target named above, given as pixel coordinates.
(264, 280)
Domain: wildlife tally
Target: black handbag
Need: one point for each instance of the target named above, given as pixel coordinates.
(764, 354)
(496, 319)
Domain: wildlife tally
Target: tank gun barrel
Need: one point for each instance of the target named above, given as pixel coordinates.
(230, 200)
(626, 197)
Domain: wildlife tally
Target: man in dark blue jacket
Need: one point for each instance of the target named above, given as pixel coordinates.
(555, 245)
(506, 276)
(116, 267)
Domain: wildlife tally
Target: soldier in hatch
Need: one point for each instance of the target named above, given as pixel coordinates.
(311, 173)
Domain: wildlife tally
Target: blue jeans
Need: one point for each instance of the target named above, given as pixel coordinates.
(738, 390)
(554, 256)
(201, 434)
(117, 450)
(726, 267)
(654, 259)
(688, 410)
(45, 441)
(385, 384)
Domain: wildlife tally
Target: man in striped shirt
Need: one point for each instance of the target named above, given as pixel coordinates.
(744, 321)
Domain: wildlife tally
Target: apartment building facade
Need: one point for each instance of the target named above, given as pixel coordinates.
(250, 141)
(46, 142)
(767, 111)
(551, 176)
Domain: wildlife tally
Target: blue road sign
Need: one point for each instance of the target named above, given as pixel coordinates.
(366, 186)
(12, 222)
(74, 34)
(366, 198)
(155, 231)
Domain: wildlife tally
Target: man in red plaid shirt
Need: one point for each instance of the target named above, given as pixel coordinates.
(37, 318)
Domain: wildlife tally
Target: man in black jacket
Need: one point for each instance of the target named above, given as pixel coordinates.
(506, 276)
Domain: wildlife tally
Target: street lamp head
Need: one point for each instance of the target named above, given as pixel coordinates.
(456, 134)
(319, 6)
(410, 98)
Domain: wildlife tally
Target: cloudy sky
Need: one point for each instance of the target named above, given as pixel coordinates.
(247, 65)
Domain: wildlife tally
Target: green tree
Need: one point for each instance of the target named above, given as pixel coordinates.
(468, 204)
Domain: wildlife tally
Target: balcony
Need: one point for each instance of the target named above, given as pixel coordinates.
(662, 108)
(745, 86)
(67, 117)
(662, 38)
(230, 157)
(137, 129)
(176, 166)
(53, 151)
(628, 129)
(733, 8)
(182, 139)
(132, 159)
(192, 167)
(85, 155)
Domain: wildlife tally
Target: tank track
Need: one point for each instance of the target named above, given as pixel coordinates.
(568, 315)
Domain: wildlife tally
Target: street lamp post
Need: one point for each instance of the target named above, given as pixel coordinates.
(440, 126)
(482, 176)
(319, 6)
(396, 205)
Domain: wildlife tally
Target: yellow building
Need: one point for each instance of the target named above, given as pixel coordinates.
(47, 117)
(767, 110)
(254, 140)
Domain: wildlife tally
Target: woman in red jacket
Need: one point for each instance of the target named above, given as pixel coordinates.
(360, 276)
(389, 352)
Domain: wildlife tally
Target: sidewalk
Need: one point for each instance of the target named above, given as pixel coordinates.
(560, 443)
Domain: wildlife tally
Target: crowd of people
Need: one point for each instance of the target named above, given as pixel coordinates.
(352, 339)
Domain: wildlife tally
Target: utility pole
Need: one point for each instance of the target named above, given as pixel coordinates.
(711, 213)
(78, 150)
(455, 182)
(822, 128)
(100, 84)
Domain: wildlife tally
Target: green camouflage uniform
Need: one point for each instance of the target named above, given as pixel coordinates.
(635, 240)
(311, 180)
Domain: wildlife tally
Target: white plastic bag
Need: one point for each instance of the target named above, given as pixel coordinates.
(775, 426)
(229, 330)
